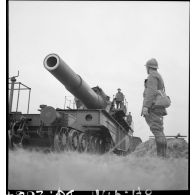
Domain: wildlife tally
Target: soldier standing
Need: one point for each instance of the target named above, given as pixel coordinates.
(119, 98)
(154, 114)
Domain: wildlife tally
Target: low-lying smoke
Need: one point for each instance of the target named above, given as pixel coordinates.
(71, 170)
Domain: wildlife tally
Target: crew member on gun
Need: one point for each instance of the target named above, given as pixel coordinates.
(119, 98)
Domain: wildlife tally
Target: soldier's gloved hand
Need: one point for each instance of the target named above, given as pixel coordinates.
(145, 111)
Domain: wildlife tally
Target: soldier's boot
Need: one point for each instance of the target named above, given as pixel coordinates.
(161, 149)
(158, 149)
(164, 149)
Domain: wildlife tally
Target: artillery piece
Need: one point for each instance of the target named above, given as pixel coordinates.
(95, 126)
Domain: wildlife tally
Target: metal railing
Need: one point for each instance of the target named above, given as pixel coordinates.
(20, 87)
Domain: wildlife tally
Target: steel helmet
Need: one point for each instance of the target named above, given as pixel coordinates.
(152, 63)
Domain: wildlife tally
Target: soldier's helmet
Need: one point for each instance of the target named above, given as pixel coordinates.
(152, 63)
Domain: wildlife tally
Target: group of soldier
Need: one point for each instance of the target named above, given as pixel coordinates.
(153, 114)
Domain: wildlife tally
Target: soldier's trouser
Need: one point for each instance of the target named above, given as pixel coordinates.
(155, 123)
(118, 104)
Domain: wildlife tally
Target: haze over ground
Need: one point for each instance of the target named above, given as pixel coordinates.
(73, 170)
(107, 43)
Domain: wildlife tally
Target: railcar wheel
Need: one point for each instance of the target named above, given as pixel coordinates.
(94, 144)
(60, 140)
(90, 147)
(64, 139)
(98, 145)
(83, 142)
(14, 137)
(108, 145)
(73, 140)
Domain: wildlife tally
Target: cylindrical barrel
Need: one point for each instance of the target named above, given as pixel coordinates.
(49, 115)
(73, 82)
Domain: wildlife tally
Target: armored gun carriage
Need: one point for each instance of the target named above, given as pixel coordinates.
(94, 126)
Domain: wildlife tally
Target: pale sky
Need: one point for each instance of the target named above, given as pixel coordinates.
(107, 44)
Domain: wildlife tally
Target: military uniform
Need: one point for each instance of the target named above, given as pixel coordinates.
(119, 99)
(155, 115)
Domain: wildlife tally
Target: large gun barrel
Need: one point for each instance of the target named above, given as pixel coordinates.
(73, 82)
